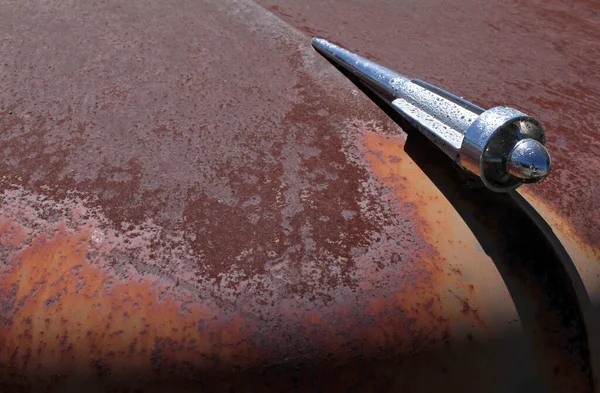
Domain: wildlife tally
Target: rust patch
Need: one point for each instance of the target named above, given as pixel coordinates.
(413, 189)
(439, 224)
(66, 310)
(81, 300)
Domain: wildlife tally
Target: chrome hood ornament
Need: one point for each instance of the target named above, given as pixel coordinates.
(501, 145)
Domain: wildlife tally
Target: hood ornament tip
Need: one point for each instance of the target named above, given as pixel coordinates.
(504, 147)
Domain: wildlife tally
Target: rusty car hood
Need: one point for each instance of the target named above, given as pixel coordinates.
(193, 198)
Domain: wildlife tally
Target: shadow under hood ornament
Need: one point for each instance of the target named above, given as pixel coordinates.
(501, 145)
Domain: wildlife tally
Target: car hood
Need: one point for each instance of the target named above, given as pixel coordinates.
(193, 197)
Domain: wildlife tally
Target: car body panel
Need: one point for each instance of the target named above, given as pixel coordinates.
(192, 197)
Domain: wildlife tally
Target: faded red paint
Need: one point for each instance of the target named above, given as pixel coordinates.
(145, 160)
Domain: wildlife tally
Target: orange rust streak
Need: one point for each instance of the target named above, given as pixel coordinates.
(66, 314)
(456, 248)
(410, 185)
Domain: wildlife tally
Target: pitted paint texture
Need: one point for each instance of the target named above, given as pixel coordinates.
(82, 296)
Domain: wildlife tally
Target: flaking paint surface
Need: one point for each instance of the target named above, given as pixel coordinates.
(224, 219)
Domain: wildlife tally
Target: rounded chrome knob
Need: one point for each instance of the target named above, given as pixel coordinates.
(529, 160)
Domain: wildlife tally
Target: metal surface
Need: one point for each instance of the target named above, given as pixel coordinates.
(172, 219)
(502, 146)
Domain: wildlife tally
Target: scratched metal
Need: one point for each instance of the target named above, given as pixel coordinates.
(192, 198)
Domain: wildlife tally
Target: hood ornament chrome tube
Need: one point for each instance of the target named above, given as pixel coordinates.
(501, 145)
